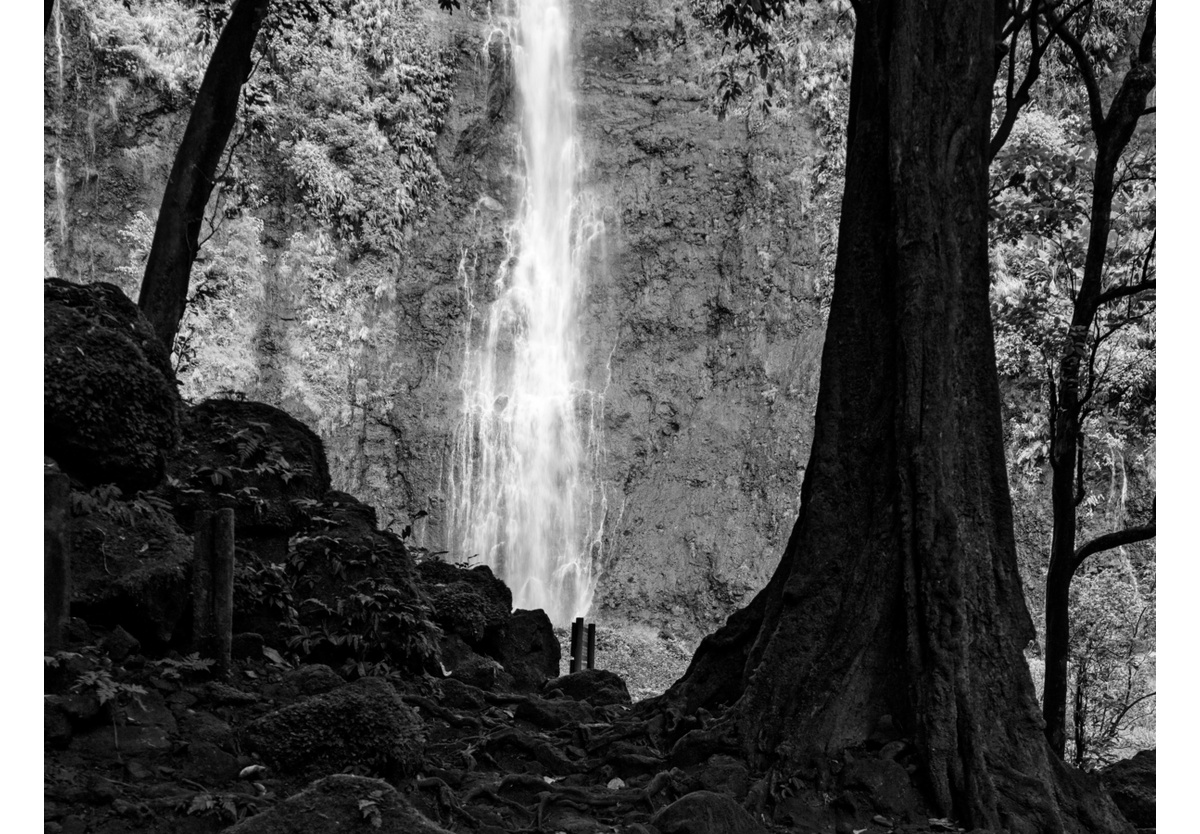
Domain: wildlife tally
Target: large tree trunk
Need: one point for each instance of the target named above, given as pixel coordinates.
(164, 289)
(898, 592)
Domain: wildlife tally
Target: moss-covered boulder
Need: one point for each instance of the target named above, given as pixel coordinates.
(341, 803)
(362, 724)
(469, 602)
(112, 409)
(130, 567)
(599, 687)
(259, 460)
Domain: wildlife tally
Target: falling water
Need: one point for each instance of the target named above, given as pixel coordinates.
(60, 173)
(523, 489)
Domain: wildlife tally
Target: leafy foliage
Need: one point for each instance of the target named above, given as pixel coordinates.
(347, 105)
(109, 500)
(367, 630)
(1113, 671)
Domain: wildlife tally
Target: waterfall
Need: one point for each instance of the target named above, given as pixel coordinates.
(524, 494)
(60, 174)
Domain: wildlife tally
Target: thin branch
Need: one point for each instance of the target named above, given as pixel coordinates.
(1116, 722)
(1086, 72)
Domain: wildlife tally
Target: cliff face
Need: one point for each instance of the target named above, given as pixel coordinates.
(703, 323)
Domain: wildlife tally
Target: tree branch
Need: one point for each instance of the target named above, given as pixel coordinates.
(1086, 71)
(1118, 538)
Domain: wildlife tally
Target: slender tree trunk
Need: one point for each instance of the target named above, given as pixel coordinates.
(164, 289)
(898, 593)
(1113, 132)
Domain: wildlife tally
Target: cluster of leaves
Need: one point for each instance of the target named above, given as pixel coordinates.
(367, 630)
(1041, 221)
(108, 500)
(347, 102)
(97, 676)
(150, 42)
(256, 454)
(368, 626)
(1113, 669)
(224, 807)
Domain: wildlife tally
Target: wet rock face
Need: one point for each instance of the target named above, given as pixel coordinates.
(111, 406)
(702, 323)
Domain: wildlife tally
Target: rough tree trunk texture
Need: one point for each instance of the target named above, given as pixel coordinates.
(1113, 133)
(898, 593)
(164, 289)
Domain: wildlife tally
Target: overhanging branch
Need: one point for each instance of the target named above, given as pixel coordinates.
(1118, 538)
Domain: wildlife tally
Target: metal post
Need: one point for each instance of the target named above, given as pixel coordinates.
(591, 646)
(577, 645)
(57, 607)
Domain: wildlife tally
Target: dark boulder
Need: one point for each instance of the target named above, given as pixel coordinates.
(341, 803)
(362, 724)
(527, 648)
(705, 812)
(469, 602)
(599, 687)
(112, 409)
(1131, 784)
(259, 460)
(130, 569)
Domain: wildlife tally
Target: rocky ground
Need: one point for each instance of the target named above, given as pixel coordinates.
(369, 686)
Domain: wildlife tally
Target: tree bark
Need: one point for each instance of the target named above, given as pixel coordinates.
(898, 593)
(163, 295)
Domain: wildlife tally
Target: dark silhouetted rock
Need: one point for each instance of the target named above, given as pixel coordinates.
(112, 408)
(725, 775)
(56, 725)
(705, 812)
(527, 648)
(469, 602)
(310, 679)
(247, 645)
(484, 673)
(885, 784)
(341, 803)
(1131, 784)
(360, 724)
(253, 457)
(131, 571)
(599, 687)
(552, 714)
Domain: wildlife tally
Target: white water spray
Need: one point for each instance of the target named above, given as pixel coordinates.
(523, 490)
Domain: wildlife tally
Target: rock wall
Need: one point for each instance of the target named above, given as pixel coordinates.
(703, 320)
